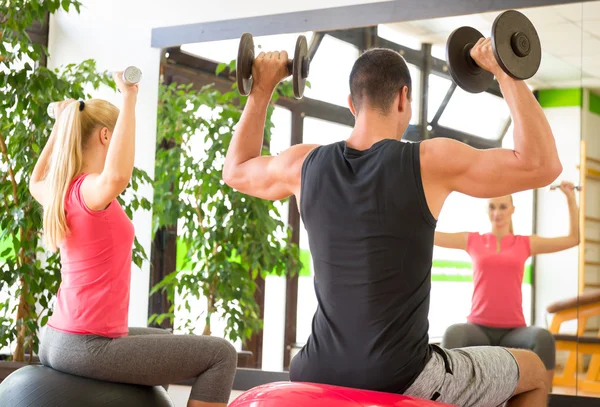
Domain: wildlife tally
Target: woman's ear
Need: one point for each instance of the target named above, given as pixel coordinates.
(104, 136)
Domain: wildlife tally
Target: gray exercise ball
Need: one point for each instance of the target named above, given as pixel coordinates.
(40, 386)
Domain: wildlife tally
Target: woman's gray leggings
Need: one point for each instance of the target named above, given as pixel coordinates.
(148, 356)
(534, 338)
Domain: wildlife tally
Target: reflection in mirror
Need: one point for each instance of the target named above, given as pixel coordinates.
(524, 248)
(329, 78)
(488, 117)
(567, 86)
(227, 50)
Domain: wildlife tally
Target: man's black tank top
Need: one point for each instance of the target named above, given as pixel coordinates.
(371, 239)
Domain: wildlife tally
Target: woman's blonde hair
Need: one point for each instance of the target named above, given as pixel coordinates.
(75, 126)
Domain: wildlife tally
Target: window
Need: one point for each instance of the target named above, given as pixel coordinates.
(281, 136)
(275, 286)
(388, 32)
(508, 140)
(330, 71)
(438, 87)
(415, 76)
(282, 130)
(483, 115)
(439, 51)
(317, 131)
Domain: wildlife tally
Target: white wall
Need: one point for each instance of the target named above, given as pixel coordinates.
(556, 275)
(117, 33)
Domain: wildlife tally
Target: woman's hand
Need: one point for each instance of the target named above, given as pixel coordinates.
(123, 87)
(568, 189)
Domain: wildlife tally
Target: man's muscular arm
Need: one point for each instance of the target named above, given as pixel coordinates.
(265, 177)
(533, 163)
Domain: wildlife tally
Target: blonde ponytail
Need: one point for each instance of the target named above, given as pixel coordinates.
(74, 129)
(66, 162)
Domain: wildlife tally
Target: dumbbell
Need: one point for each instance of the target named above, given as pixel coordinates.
(131, 76)
(516, 46)
(297, 67)
(557, 186)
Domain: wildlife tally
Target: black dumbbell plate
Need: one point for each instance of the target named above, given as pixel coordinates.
(516, 45)
(300, 55)
(463, 69)
(244, 61)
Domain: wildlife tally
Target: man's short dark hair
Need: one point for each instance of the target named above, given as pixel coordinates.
(377, 77)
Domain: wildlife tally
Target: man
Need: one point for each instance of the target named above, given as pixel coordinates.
(370, 205)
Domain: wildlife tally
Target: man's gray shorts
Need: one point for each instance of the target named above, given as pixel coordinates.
(482, 376)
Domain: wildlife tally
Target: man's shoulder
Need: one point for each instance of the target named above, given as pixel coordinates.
(308, 150)
(442, 148)
(440, 155)
(304, 153)
(300, 151)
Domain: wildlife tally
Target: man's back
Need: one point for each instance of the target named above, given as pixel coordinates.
(371, 239)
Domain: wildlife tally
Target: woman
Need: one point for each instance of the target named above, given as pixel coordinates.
(86, 164)
(499, 257)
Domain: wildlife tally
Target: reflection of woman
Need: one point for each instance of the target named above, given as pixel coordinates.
(499, 257)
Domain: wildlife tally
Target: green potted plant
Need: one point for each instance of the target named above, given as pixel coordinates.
(29, 276)
(224, 239)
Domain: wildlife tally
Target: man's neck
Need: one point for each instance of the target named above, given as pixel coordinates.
(371, 127)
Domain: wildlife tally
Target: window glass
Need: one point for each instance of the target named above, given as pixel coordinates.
(388, 32)
(438, 87)
(330, 71)
(483, 115)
